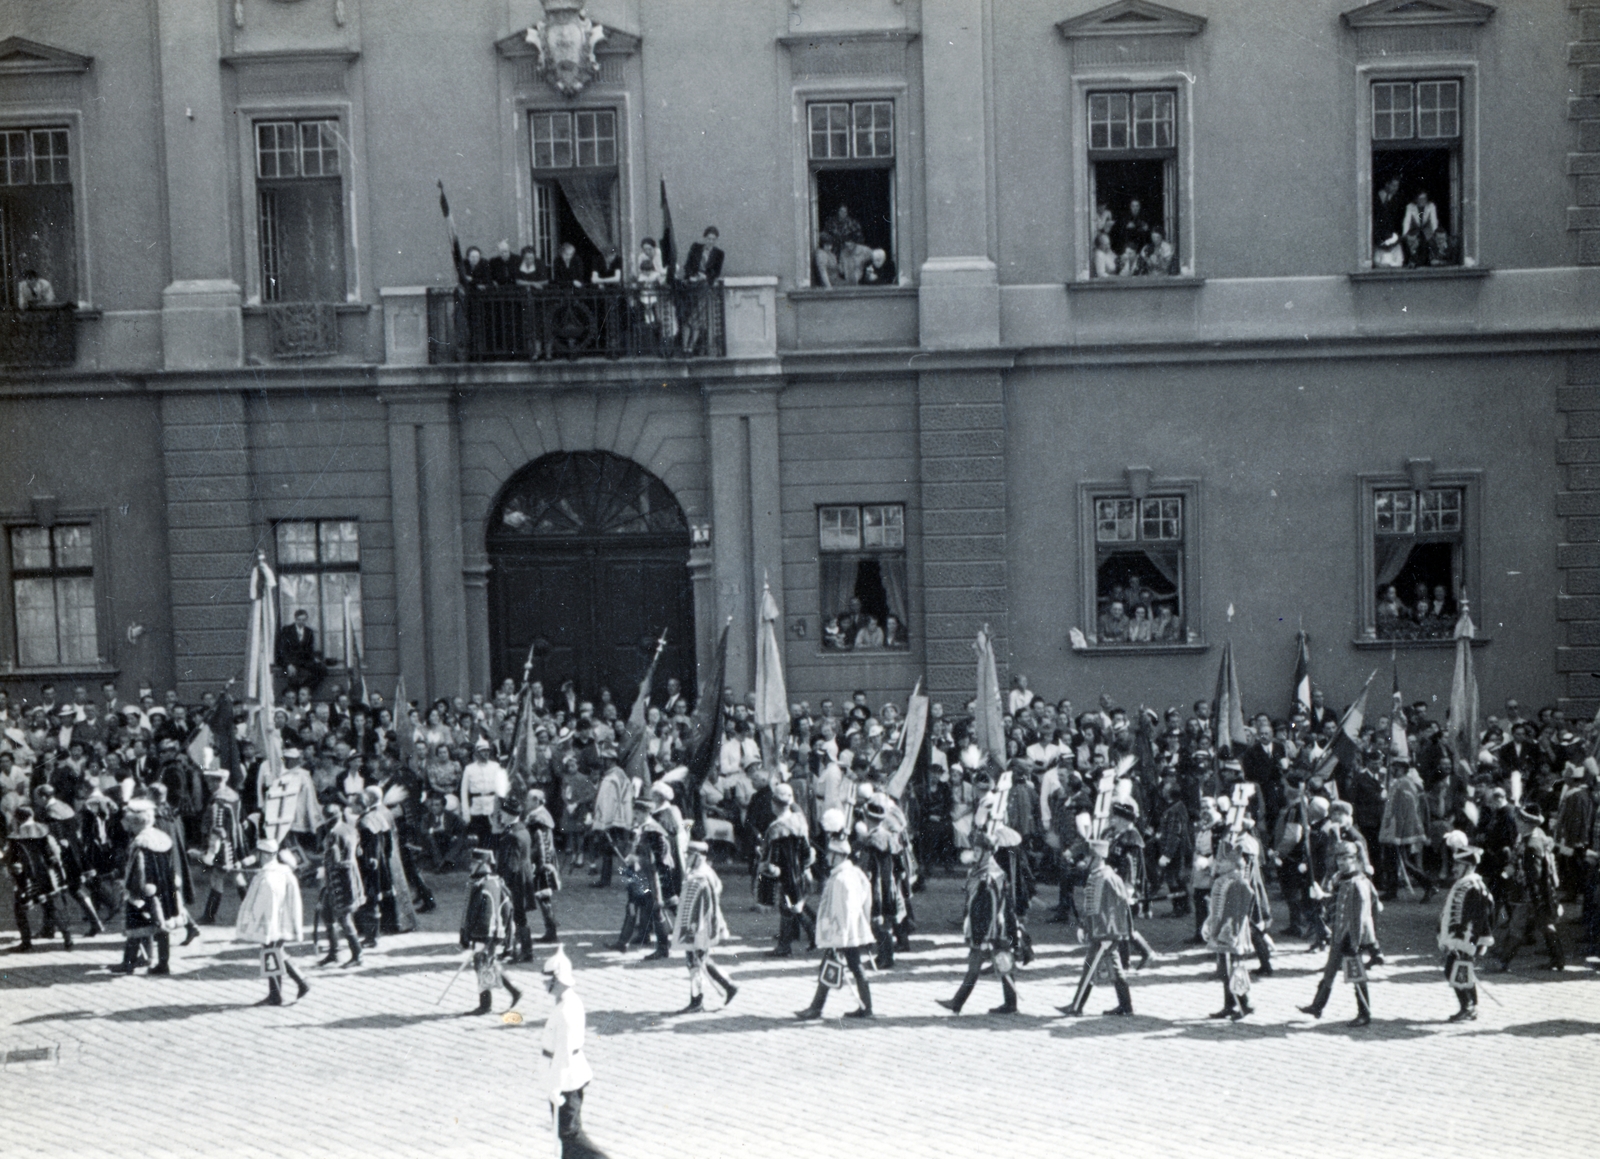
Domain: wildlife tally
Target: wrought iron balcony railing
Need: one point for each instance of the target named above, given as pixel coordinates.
(39, 336)
(518, 324)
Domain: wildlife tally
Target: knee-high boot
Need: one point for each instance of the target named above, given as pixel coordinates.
(213, 903)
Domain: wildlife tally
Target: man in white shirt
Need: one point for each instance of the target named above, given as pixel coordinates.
(483, 783)
(568, 1072)
(1019, 697)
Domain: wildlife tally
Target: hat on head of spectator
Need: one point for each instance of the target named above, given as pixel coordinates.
(833, 820)
(783, 793)
(482, 745)
(291, 753)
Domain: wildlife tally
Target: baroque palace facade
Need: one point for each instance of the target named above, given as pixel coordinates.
(1127, 330)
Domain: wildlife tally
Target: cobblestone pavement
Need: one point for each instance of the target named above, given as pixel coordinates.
(370, 1063)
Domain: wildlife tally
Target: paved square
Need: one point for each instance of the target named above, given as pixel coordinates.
(369, 1063)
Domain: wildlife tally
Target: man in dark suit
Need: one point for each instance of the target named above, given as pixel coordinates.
(295, 654)
(1265, 761)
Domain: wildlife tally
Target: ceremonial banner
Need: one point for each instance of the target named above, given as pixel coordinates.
(1227, 710)
(258, 668)
(916, 732)
(669, 246)
(1346, 742)
(705, 734)
(1462, 727)
(988, 725)
(1301, 696)
(636, 760)
(354, 661)
(1397, 717)
(772, 698)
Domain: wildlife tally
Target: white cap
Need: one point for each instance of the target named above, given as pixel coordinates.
(560, 966)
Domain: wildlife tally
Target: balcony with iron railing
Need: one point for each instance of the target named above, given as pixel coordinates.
(40, 336)
(524, 324)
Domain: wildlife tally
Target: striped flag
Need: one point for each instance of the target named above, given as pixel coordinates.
(1301, 696)
(1347, 741)
(1397, 716)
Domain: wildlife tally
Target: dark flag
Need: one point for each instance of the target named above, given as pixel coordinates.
(444, 202)
(669, 245)
(635, 759)
(224, 744)
(1301, 695)
(1227, 712)
(1347, 741)
(705, 735)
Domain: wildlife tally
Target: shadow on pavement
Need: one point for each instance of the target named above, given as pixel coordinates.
(63, 1016)
(1384, 1029)
(174, 1013)
(387, 1021)
(1552, 1028)
(609, 1022)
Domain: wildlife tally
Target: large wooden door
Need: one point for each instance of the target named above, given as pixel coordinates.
(589, 563)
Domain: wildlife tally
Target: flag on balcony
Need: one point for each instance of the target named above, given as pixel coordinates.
(1227, 710)
(988, 725)
(669, 245)
(258, 670)
(1462, 729)
(1302, 676)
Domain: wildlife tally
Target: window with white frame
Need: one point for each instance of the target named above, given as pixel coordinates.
(850, 146)
(53, 595)
(861, 551)
(36, 214)
(576, 187)
(1139, 566)
(300, 210)
(319, 572)
(1419, 538)
(1133, 182)
(1417, 137)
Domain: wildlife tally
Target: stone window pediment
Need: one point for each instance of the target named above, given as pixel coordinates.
(1132, 18)
(1415, 13)
(20, 55)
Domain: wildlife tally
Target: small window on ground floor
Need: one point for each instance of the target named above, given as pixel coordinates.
(319, 572)
(53, 595)
(862, 558)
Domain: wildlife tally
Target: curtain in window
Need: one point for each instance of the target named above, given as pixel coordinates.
(1391, 554)
(838, 585)
(591, 201)
(893, 571)
(1168, 560)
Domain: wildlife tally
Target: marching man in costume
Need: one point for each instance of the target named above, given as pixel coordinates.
(1465, 926)
(225, 850)
(1106, 906)
(787, 854)
(1227, 931)
(152, 909)
(342, 891)
(1353, 929)
(701, 927)
(844, 924)
(568, 1073)
(271, 914)
(38, 875)
(486, 922)
(990, 925)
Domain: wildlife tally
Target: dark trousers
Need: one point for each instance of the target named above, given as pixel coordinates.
(1117, 950)
(569, 1128)
(852, 960)
(975, 960)
(610, 842)
(792, 923)
(1336, 956)
(1526, 920)
(1467, 996)
(52, 921)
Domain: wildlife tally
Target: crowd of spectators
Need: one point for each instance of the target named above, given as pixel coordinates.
(1131, 246)
(449, 769)
(1427, 616)
(1131, 614)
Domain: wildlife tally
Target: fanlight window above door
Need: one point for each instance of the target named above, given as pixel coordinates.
(582, 494)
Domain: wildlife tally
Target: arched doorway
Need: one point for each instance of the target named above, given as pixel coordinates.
(589, 561)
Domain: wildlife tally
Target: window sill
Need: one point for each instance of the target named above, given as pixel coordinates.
(1421, 274)
(1194, 649)
(868, 653)
(59, 671)
(1369, 644)
(822, 293)
(260, 309)
(1142, 282)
